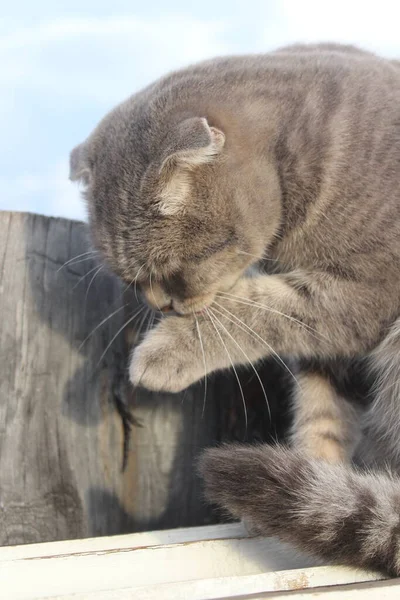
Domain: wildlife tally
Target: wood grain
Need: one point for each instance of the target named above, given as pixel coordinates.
(218, 562)
(61, 433)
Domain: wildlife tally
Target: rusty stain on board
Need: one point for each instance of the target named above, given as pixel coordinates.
(297, 582)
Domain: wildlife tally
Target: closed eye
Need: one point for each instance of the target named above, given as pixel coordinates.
(218, 246)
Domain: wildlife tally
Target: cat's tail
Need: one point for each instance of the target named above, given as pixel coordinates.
(330, 511)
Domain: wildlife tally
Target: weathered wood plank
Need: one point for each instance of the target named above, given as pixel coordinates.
(145, 539)
(61, 435)
(196, 563)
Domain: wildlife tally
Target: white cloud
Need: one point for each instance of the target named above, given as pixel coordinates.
(69, 66)
(68, 28)
(373, 25)
(48, 192)
(102, 58)
(66, 73)
(65, 199)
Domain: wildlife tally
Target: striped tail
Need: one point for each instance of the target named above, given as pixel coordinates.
(331, 511)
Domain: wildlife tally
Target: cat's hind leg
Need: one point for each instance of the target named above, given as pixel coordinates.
(325, 424)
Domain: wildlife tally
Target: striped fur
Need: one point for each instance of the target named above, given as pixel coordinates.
(293, 156)
(332, 511)
(325, 424)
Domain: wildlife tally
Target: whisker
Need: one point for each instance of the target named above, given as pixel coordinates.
(134, 281)
(84, 276)
(136, 314)
(91, 252)
(249, 361)
(151, 322)
(249, 302)
(90, 283)
(121, 279)
(242, 324)
(258, 257)
(205, 365)
(100, 324)
(152, 293)
(122, 275)
(77, 262)
(142, 322)
(233, 367)
(136, 278)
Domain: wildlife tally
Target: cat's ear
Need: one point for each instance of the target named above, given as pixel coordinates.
(193, 143)
(79, 169)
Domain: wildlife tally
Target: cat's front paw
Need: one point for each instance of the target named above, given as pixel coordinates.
(167, 360)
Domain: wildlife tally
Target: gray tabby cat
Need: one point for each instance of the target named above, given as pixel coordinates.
(290, 159)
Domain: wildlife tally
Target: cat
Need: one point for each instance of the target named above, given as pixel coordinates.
(289, 159)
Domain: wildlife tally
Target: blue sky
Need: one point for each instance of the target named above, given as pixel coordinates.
(65, 63)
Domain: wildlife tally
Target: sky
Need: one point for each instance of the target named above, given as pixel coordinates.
(64, 64)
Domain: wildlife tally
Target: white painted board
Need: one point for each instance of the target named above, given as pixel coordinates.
(203, 563)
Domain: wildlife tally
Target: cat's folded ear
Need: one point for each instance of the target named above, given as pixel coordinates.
(79, 169)
(191, 144)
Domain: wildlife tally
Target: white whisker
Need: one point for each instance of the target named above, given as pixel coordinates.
(136, 314)
(151, 322)
(84, 276)
(233, 367)
(100, 324)
(136, 278)
(248, 360)
(249, 302)
(90, 283)
(242, 324)
(257, 256)
(152, 293)
(73, 259)
(142, 322)
(205, 365)
(134, 281)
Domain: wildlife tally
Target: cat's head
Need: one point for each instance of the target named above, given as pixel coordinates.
(174, 203)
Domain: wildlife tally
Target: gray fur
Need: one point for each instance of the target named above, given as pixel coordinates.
(291, 158)
(339, 514)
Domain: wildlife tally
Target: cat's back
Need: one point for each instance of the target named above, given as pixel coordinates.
(299, 66)
(280, 87)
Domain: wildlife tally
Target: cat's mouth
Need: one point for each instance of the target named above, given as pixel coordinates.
(180, 309)
(196, 306)
(197, 313)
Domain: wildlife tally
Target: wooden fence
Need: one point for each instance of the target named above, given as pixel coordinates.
(66, 403)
